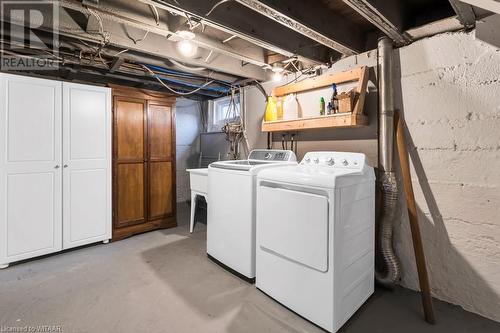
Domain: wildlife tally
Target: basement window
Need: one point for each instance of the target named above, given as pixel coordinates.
(221, 111)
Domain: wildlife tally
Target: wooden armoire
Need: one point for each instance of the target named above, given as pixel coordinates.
(143, 161)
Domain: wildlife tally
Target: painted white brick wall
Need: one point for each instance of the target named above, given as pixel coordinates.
(450, 96)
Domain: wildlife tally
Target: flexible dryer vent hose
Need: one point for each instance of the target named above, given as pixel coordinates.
(392, 271)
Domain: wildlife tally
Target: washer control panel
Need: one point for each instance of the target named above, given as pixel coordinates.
(335, 160)
(272, 155)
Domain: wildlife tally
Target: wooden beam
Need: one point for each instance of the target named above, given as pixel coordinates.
(271, 58)
(361, 90)
(321, 81)
(418, 247)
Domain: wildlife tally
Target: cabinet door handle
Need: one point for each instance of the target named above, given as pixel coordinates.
(57, 167)
(65, 166)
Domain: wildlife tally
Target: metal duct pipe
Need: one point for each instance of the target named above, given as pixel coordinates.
(386, 104)
(387, 179)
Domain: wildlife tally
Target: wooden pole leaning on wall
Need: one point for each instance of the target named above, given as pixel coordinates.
(418, 248)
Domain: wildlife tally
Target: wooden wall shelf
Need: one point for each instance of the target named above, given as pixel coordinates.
(356, 118)
(340, 120)
(359, 74)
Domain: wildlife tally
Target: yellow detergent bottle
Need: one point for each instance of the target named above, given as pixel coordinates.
(271, 112)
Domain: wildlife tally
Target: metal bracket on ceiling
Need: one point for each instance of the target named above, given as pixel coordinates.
(117, 62)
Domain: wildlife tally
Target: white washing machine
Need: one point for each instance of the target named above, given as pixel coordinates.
(315, 236)
(231, 211)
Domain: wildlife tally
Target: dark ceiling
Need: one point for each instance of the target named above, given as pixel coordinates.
(238, 40)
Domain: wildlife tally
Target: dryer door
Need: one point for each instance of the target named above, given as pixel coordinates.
(294, 225)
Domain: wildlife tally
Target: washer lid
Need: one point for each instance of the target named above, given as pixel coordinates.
(323, 169)
(244, 165)
(258, 158)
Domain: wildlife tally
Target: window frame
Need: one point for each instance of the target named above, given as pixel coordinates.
(214, 123)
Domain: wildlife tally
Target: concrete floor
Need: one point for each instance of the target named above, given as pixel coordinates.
(162, 281)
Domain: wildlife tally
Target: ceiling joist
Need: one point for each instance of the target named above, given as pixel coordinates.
(130, 37)
(252, 55)
(248, 25)
(333, 31)
(386, 15)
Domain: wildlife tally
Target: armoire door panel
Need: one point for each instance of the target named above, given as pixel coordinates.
(88, 113)
(87, 209)
(31, 121)
(160, 132)
(160, 189)
(30, 167)
(129, 130)
(130, 193)
(33, 222)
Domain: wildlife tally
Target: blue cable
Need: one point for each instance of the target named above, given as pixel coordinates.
(214, 89)
(187, 75)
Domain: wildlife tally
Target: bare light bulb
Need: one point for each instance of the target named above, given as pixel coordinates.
(187, 48)
(277, 77)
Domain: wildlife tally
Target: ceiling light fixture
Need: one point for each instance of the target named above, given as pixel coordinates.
(277, 77)
(185, 45)
(277, 70)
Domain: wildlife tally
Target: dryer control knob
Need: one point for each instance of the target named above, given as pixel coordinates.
(316, 160)
(344, 162)
(330, 161)
(308, 160)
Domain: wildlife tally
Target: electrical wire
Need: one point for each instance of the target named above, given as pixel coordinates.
(126, 68)
(178, 64)
(140, 39)
(260, 88)
(215, 6)
(185, 74)
(302, 73)
(173, 90)
(155, 12)
(104, 35)
(120, 52)
(192, 25)
(191, 85)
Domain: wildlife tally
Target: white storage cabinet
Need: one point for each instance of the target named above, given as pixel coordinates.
(55, 166)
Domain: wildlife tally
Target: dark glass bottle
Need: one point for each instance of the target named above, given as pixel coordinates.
(335, 100)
